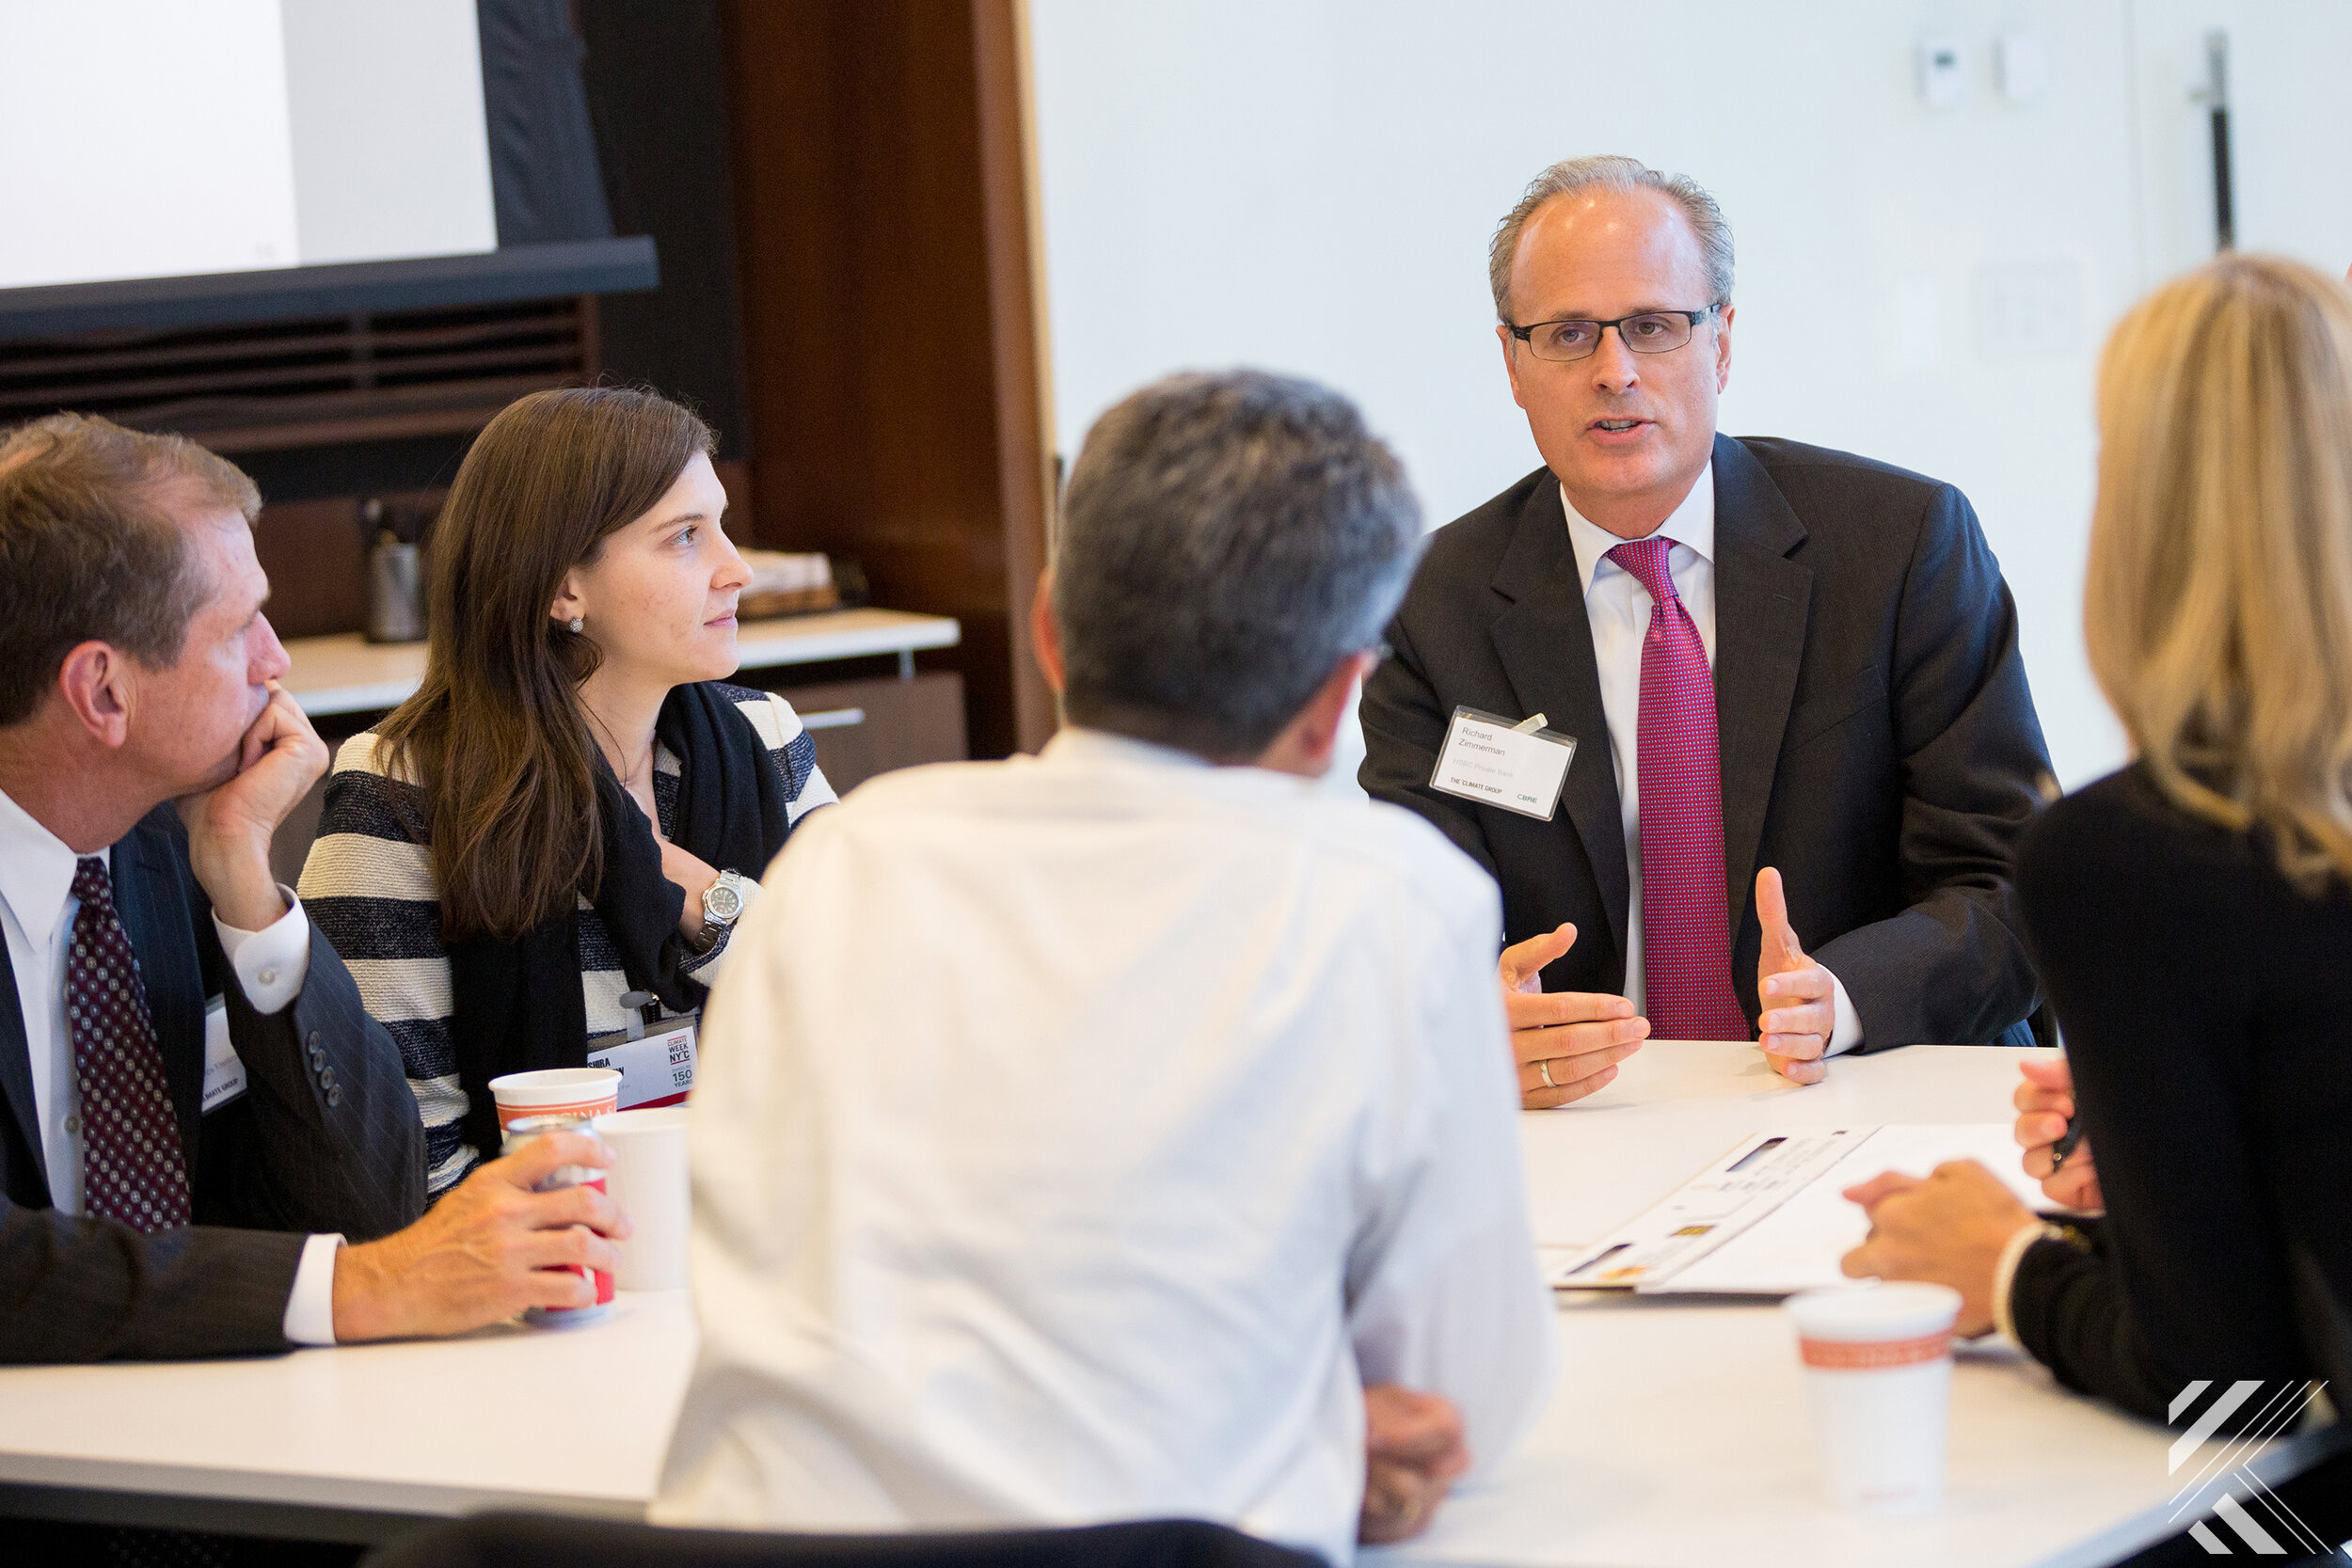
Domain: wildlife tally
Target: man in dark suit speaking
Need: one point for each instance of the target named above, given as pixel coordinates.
(195, 1110)
(1805, 744)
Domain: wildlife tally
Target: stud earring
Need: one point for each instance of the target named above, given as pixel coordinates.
(576, 623)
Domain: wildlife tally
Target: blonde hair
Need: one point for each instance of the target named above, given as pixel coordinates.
(2218, 610)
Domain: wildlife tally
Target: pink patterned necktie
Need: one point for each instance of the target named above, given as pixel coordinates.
(133, 1167)
(1686, 924)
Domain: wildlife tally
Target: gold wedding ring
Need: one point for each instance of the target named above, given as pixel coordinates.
(1543, 1071)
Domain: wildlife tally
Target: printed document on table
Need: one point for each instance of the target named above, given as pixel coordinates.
(1797, 1246)
(1769, 1218)
(1733, 1193)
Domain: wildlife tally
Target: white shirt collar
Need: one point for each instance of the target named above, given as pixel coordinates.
(1693, 523)
(1185, 771)
(36, 872)
(1074, 743)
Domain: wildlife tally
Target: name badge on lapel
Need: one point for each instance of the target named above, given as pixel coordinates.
(1495, 762)
(656, 1071)
(224, 1074)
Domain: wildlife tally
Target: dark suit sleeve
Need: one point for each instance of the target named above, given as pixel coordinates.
(83, 1290)
(1405, 723)
(1951, 967)
(334, 1141)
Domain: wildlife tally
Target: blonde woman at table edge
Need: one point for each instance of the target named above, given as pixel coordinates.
(2191, 917)
(574, 807)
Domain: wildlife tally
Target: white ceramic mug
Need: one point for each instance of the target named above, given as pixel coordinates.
(648, 1181)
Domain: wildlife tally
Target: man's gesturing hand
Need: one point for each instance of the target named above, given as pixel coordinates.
(1413, 1451)
(487, 1251)
(2045, 1101)
(1568, 1043)
(1798, 999)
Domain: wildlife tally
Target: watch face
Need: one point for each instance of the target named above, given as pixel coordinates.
(723, 902)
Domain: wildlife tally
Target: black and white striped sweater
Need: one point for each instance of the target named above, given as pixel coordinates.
(369, 888)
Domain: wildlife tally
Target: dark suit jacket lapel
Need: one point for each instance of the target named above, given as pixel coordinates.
(1761, 601)
(30, 1185)
(1544, 642)
(152, 897)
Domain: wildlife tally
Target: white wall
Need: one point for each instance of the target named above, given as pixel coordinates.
(1307, 186)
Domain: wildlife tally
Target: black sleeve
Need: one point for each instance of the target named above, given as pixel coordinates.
(334, 1141)
(1404, 724)
(2068, 1309)
(2202, 1001)
(1951, 965)
(83, 1290)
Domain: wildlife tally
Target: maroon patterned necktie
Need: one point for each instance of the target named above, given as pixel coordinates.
(133, 1167)
(1686, 921)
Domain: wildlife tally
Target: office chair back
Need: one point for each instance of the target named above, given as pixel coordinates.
(533, 1540)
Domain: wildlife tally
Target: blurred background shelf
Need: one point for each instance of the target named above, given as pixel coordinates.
(347, 674)
(850, 674)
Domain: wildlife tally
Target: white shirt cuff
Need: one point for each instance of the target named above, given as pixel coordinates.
(270, 964)
(2005, 1276)
(1847, 1033)
(311, 1309)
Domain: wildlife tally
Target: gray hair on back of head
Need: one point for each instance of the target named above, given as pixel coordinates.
(1608, 172)
(1225, 540)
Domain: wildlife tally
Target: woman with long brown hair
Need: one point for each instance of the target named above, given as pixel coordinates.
(2191, 915)
(559, 830)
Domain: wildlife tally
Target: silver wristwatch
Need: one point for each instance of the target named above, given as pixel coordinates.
(723, 901)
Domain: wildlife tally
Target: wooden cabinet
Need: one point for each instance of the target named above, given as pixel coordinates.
(886, 253)
(866, 727)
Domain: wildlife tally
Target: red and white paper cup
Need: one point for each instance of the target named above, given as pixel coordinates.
(522, 1131)
(1878, 1374)
(578, 1092)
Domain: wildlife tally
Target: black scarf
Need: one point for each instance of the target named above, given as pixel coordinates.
(518, 1005)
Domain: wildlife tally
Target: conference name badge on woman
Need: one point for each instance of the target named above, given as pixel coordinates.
(656, 1069)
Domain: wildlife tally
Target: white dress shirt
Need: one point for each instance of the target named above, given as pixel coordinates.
(1618, 608)
(37, 910)
(1078, 1136)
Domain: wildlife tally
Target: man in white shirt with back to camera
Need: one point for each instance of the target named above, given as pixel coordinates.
(1127, 1131)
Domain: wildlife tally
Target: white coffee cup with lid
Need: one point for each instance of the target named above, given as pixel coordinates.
(1878, 1374)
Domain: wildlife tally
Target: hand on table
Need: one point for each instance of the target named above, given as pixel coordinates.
(1798, 997)
(1568, 1043)
(1413, 1452)
(488, 1250)
(1948, 1230)
(230, 826)
(2044, 1101)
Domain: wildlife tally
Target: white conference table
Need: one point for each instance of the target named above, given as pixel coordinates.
(1676, 1436)
(1679, 1431)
